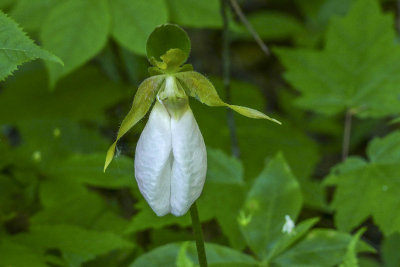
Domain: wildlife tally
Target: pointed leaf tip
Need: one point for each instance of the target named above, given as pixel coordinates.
(252, 113)
(142, 102)
(199, 87)
(110, 155)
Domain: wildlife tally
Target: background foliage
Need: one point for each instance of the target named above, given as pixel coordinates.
(58, 116)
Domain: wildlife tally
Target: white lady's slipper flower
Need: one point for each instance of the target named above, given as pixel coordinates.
(171, 159)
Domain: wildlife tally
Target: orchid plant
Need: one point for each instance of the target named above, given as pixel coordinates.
(170, 158)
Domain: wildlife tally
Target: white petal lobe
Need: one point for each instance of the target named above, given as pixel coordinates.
(189, 166)
(153, 160)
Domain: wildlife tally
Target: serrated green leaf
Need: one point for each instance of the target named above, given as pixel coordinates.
(196, 14)
(216, 254)
(321, 247)
(369, 188)
(133, 21)
(199, 87)
(78, 36)
(17, 48)
(76, 244)
(357, 69)
(350, 258)
(274, 195)
(144, 98)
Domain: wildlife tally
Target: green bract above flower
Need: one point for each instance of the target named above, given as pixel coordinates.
(171, 158)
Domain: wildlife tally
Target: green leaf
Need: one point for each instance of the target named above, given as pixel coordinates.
(17, 48)
(6, 3)
(32, 14)
(289, 239)
(78, 36)
(369, 188)
(147, 219)
(133, 21)
(183, 260)
(350, 258)
(357, 70)
(317, 14)
(144, 97)
(53, 198)
(390, 250)
(199, 87)
(196, 14)
(13, 254)
(76, 244)
(55, 140)
(216, 254)
(218, 201)
(301, 151)
(321, 247)
(167, 37)
(28, 98)
(270, 25)
(88, 169)
(222, 168)
(274, 194)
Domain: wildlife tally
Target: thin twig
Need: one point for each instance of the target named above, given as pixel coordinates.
(247, 24)
(227, 77)
(198, 235)
(346, 134)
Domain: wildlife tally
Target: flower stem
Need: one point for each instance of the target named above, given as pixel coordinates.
(198, 235)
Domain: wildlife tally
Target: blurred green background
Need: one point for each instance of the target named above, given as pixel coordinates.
(330, 60)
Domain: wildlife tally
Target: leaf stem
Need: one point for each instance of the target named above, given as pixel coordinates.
(227, 77)
(198, 235)
(247, 24)
(346, 134)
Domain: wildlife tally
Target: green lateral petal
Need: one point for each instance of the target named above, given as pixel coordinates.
(144, 97)
(198, 86)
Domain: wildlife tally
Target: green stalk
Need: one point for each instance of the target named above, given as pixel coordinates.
(198, 235)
